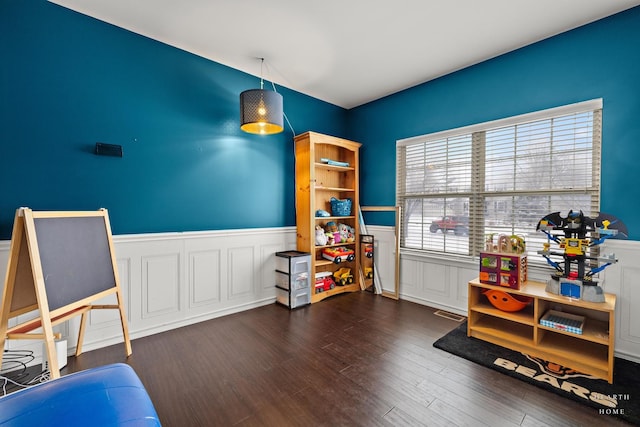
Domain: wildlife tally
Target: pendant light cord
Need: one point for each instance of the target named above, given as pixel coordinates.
(283, 113)
(274, 89)
(261, 74)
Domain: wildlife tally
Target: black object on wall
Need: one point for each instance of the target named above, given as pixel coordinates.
(103, 149)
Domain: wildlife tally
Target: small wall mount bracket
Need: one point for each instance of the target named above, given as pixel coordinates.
(103, 149)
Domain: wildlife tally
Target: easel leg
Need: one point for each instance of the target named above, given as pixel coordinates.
(10, 279)
(52, 354)
(83, 323)
(125, 328)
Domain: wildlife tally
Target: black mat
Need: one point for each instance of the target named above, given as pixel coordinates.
(620, 399)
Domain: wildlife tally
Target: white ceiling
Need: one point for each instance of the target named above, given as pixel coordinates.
(348, 52)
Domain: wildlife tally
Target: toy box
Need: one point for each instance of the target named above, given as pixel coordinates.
(503, 269)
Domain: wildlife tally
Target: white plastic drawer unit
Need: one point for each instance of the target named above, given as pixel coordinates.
(293, 281)
(292, 300)
(292, 262)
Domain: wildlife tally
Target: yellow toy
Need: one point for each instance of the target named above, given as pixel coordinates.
(343, 276)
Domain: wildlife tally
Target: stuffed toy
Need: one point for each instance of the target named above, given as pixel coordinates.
(330, 238)
(332, 233)
(343, 231)
(321, 237)
(346, 233)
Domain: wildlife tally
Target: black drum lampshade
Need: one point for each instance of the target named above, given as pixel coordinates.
(261, 112)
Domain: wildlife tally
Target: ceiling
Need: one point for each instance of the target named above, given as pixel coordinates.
(348, 52)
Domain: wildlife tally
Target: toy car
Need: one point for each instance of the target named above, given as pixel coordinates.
(368, 250)
(324, 282)
(343, 276)
(338, 254)
(368, 273)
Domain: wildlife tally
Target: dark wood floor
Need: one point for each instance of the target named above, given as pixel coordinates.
(352, 360)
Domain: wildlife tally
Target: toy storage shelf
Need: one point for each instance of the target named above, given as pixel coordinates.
(316, 183)
(590, 352)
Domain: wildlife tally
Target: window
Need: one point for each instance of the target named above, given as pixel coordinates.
(457, 187)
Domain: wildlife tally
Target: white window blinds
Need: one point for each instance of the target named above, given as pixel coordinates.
(458, 186)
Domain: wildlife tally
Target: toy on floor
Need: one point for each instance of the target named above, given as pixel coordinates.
(579, 236)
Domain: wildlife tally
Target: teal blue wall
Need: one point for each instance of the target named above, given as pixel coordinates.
(68, 81)
(600, 60)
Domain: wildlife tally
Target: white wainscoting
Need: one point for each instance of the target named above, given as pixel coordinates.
(171, 280)
(623, 279)
(441, 282)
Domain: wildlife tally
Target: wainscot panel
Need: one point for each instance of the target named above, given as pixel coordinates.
(170, 280)
(436, 281)
(623, 279)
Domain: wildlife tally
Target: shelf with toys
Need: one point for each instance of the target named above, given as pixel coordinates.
(569, 320)
(590, 351)
(327, 211)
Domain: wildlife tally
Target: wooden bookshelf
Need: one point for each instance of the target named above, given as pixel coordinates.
(316, 183)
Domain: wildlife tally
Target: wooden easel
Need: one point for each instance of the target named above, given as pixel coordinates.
(59, 263)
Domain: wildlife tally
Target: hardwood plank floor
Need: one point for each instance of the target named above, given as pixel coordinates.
(351, 360)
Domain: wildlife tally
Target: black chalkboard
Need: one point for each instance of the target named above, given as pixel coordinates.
(75, 258)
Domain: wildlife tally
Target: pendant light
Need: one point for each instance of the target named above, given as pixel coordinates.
(261, 110)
